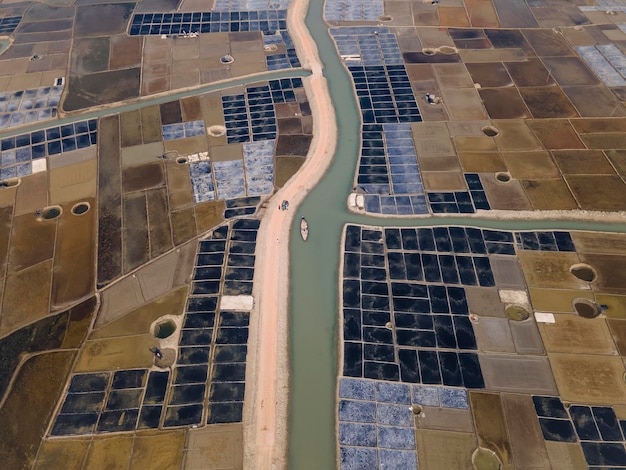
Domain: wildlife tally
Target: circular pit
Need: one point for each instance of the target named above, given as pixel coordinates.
(51, 212)
(584, 272)
(81, 208)
(490, 131)
(164, 329)
(586, 308)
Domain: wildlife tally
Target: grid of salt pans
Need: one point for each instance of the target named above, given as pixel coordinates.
(353, 10)
(259, 164)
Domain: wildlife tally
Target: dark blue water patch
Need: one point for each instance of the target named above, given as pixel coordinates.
(483, 271)
(403, 289)
(352, 324)
(409, 239)
(187, 394)
(118, 420)
(229, 372)
(212, 246)
(496, 248)
(464, 332)
(416, 338)
(232, 336)
(409, 367)
(149, 417)
(190, 374)
(413, 321)
(201, 304)
(426, 239)
(375, 318)
(83, 403)
(547, 241)
(240, 260)
(377, 335)
(227, 391)
(444, 331)
(352, 359)
(381, 371)
(473, 181)
(430, 264)
(449, 273)
(38, 151)
(376, 261)
(564, 241)
(413, 265)
(221, 233)
(372, 170)
(371, 247)
(205, 287)
(457, 300)
(96, 382)
(459, 240)
(557, 430)
(211, 273)
(374, 302)
(604, 453)
(73, 424)
(442, 239)
(351, 265)
(378, 352)
(438, 299)
(584, 423)
(411, 305)
(397, 268)
(450, 368)
(353, 238)
(214, 259)
(529, 240)
(476, 241)
(53, 133)
(38, 137)
(242, 247)
(123, 399)
(193, 355)
(374, 288)
(230, 353)
(244, 235)
(156, 387)
(234, 319)
(607, 423)
(466, 270)
(132, 378)
(9, 23)
(471, 371)
(550, 407)
(199, 320)
(183, 415)
(351, 292)
(429, 367)
(239, 274)
(222, 413)
(83, 141)
(371, 235)
(237, 288)
(54, 147)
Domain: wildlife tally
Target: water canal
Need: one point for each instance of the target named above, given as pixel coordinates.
(314, 270)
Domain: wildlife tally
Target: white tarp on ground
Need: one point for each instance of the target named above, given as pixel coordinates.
(237, 302)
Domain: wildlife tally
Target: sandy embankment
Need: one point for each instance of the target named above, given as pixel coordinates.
(268, 362)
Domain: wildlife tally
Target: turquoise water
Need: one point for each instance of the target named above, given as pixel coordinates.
(4, 44)
(315, 265)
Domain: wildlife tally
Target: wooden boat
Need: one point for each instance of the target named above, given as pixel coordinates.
(304, 229)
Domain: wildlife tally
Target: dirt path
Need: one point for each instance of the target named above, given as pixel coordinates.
(266, 433)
